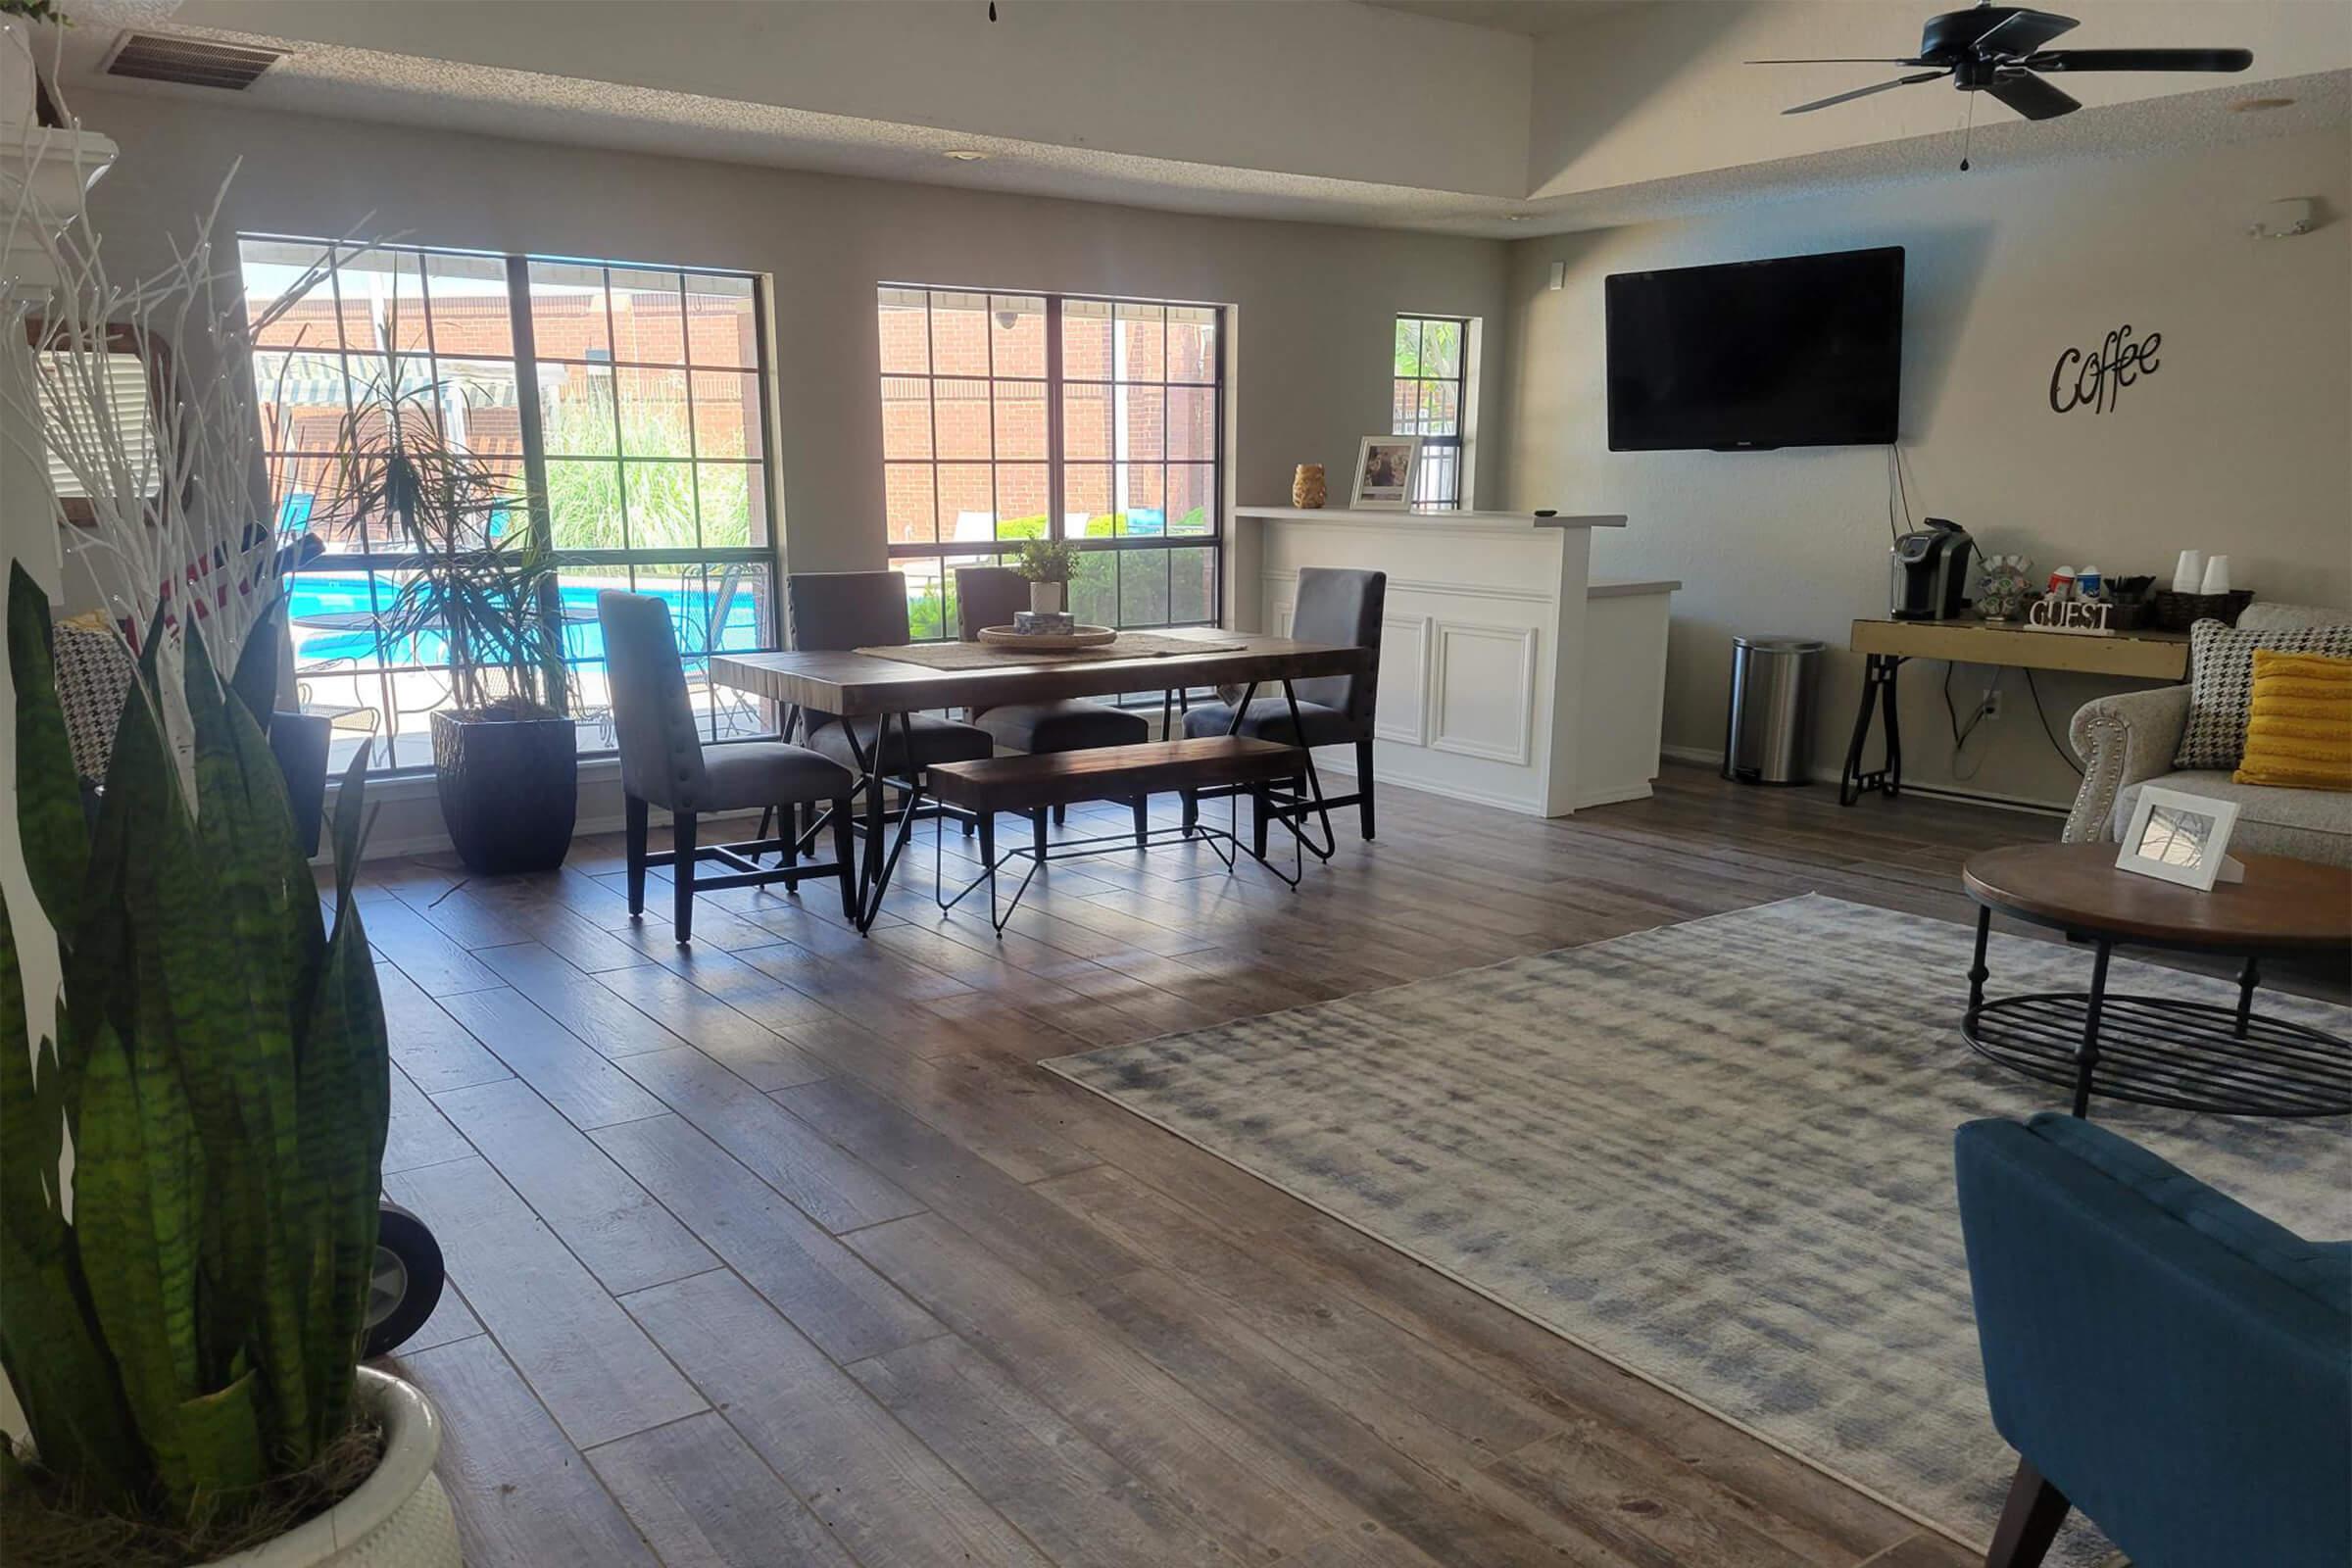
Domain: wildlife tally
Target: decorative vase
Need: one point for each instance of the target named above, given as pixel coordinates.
(399, 1517)
(509, 788)
(1045, 598)
(1307, 489)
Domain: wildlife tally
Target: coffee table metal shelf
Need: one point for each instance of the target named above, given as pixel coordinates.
(2162, 1051)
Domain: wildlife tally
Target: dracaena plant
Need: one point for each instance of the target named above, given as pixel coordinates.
(180, 1315)
(480, 589)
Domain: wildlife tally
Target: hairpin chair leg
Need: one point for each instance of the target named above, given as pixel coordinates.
(634, 812)
(845, 854)
(681, 876)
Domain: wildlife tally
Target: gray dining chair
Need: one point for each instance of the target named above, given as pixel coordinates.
(989, 596)
(1336, 606)
(663, 762)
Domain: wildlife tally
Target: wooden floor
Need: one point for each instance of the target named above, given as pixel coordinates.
(778, 1249)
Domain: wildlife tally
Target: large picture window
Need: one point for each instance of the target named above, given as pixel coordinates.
(1433, 354)
(1012, 416)
(632, 399)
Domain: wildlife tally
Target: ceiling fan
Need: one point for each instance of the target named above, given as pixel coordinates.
(1998, 50)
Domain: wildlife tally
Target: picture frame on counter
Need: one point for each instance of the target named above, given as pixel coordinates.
(2181, 838)
(1384, 471)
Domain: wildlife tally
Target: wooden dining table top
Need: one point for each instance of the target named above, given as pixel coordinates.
(859, 685)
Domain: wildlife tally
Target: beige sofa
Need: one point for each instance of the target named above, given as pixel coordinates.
(2127, 741)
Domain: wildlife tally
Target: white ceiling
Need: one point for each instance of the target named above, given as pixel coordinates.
(1537, 117)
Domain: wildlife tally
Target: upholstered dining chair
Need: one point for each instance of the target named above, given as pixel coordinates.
(840, 611)
(1338, 606)
(989, 596)
(663, 762)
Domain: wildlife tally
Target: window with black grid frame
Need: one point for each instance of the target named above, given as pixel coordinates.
(632, 399)
(1432, 363)
(993, 403)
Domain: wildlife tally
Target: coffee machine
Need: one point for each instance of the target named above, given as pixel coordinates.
(1928, 572)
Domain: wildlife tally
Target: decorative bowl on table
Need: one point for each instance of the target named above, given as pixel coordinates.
(1048, 642)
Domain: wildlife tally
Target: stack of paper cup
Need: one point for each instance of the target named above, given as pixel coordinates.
(2191, 573)
(2217, 576)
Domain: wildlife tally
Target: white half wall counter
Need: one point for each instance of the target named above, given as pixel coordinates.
(1507, 676)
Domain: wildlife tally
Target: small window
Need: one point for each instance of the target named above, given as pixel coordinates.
(1433, 358)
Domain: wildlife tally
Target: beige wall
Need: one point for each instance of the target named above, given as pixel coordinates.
(1312, 303)
(2239, 443)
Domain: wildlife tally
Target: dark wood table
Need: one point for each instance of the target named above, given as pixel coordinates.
(867, 686)
(2163, 1050)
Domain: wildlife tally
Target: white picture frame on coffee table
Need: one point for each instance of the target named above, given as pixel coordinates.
(2174, 836)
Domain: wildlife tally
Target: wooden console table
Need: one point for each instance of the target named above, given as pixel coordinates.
(2127, 654)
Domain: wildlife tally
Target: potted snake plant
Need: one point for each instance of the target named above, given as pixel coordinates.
(481, 596)
(183, 1298)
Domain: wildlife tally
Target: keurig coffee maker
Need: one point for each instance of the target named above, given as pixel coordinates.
(1928, 573)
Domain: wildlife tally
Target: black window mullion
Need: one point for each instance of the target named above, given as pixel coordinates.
(1055, 427)
(620, 444)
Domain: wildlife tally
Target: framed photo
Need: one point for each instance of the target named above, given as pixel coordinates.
(1384, 471)
(2179, 837)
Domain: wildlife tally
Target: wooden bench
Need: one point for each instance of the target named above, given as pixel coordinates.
(1036, 783)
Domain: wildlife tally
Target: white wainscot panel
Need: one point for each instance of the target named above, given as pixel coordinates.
(1485, 691)
(1402, 712)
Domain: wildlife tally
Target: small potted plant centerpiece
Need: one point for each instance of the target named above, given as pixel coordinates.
(1049, 564)
(482, 598)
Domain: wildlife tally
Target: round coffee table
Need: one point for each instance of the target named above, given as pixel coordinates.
(2162, 1051)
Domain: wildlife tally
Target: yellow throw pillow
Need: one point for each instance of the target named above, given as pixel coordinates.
(2299, 734)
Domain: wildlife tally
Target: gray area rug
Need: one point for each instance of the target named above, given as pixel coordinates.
(1718, 1154)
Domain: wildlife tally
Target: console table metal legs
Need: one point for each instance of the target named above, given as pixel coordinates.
(1878, 685)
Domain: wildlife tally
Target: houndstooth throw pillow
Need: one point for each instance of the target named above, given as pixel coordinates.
(2221, 684)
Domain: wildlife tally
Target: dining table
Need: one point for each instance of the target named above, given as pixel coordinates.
(870, 683)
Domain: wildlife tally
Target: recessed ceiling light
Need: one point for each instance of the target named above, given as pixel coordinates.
(966, 155)
(2247, 105)
(1518, 217)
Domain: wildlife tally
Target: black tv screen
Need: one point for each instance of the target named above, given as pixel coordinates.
(1805, 351)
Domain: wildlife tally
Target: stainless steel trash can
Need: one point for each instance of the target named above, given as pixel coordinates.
(1770, 737)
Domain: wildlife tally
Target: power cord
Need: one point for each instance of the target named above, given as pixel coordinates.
(1961, 735)
(2065, 756)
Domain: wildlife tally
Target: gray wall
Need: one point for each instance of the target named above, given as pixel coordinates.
(2239, 443)
(1312, 303)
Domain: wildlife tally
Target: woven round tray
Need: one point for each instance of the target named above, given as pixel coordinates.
(1083, 637)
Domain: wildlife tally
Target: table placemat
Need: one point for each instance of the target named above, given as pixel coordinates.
(994, 655)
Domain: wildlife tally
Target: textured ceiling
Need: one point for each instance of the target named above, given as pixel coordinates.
(1533, 18)
(355, 84)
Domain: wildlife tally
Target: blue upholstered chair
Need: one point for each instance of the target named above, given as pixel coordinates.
(2161, 1357)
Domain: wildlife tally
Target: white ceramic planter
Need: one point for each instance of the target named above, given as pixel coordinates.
(398, 1518)
(1045, 598)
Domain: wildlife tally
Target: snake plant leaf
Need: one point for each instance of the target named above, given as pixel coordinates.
(345, 1110)
(28, 1148)
(49, 816)
(221, 1433)
(255, 677)
(64, 1381)
(236, 1036)
(135, 1179)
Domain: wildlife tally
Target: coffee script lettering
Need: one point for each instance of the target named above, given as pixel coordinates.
(2099, 376)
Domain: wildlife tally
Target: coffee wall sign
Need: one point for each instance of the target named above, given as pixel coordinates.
(2093, 378)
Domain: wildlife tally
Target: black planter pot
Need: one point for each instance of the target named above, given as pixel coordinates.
(510, 789)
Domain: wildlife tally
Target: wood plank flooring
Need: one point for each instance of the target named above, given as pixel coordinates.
(779, 1250)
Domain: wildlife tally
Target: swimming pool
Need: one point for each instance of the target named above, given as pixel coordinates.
(329, 612)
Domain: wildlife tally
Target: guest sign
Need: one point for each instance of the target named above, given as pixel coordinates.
(2069, 615)
(2095, 378)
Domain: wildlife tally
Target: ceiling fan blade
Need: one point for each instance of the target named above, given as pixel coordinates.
(1841, 61)
(2021, 33)
(2140, 60)
(2033, 97)
(1864, 92)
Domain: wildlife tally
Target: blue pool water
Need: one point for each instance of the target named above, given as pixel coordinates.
(326, 608)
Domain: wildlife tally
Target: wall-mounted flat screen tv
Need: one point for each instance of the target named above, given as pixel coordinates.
(1804, 351)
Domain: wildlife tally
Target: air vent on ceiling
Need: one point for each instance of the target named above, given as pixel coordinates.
(190, 62)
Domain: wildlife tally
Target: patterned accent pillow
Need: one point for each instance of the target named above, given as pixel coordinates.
(2221, 684)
